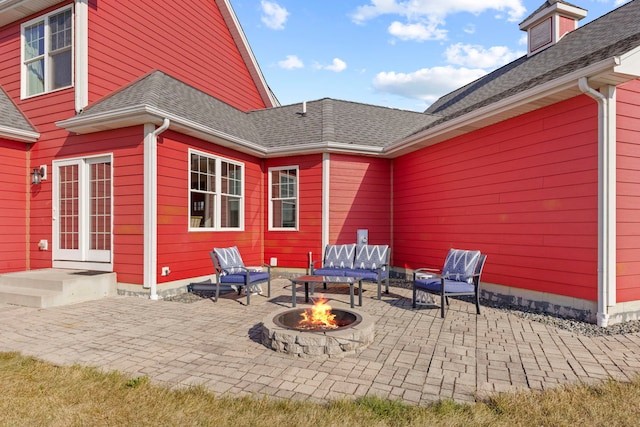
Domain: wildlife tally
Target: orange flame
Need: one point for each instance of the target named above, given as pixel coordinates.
(318, 317)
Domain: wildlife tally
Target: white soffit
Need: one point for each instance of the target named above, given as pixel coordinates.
(13, 10)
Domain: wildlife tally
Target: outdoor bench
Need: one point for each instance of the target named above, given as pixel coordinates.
(370, 262)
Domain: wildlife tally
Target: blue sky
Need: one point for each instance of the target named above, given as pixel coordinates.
(395, 53)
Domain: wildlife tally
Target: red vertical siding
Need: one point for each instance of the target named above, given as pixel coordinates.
(360, 198)
(187, 252)
(188, 40)
(292, 247)
(628, 192)
(13, 193)
(524, 191)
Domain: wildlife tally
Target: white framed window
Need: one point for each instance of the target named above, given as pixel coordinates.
(47, 53)
(216, 193)
(283, 198)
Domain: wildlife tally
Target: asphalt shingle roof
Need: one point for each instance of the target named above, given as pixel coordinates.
(11, 116)
(612, 34)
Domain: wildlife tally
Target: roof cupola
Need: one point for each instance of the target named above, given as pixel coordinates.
(549, 23)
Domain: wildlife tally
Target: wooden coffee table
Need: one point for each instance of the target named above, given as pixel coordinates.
(351, 281)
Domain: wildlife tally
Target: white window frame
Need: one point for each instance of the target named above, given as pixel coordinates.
(46, 55)
(296, 198)
(217, 214)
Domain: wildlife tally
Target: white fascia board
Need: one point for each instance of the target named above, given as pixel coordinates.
(18, 134)
(144, 114)
(562, 8)
(522, 102)
(247, 53)
(629, 63)
(324, 147)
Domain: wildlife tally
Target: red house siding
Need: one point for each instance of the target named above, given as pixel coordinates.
(360, 198)
(628, 192)
(524, 191)
(13, 193)
(187, 252)
(189, 41)
(291, 248)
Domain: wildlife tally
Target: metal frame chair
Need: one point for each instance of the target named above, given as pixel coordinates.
(240, 276)
(451, 284)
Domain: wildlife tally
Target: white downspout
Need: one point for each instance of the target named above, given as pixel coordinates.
(326, 189)
(151, 205)
(606, 197)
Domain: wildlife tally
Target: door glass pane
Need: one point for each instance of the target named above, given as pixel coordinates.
(69, 226)
(100, 206)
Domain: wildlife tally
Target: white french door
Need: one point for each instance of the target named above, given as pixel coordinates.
(82, 220)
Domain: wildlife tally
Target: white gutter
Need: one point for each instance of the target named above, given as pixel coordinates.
(18, 134)
(151, 206)
(606, 196)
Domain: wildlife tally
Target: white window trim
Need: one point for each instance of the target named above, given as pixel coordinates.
(23, 71)
(218, 193)
(279, 168)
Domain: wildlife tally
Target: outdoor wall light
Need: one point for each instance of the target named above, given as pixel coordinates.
(39, 174)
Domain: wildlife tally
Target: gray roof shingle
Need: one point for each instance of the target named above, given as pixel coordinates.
(11, 116)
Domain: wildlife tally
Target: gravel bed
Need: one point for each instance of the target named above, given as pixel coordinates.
(572, 325)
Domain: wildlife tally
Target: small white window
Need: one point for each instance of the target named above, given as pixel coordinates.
(216, 199)
(283, 198)
(47, 53)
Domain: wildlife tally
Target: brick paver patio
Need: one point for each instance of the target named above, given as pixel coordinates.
(416, 356)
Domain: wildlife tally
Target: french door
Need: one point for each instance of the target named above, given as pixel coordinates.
(82, 221)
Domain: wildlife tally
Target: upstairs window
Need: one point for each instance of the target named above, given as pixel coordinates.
(47, 53)
(216, 193)
(283, 197)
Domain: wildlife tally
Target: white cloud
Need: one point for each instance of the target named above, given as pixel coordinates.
(337, 65)
(477, 56)
(427, 84)
(425, 18)
(419, 32)
(291, 63)
(274, 16)
(417, 9)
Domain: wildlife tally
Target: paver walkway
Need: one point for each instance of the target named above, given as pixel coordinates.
(416, 356)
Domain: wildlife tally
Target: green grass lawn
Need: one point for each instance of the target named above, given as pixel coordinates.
(35, 393)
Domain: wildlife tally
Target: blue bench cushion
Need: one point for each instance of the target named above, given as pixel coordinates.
(339, 256)
(230, 260)
(254, 276)
(451, 286)
(329, 271)
(370, 257)
(366, 274)
(460, 265)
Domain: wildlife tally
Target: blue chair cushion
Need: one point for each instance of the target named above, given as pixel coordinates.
(329, 271)
(460, 265)
(339, 256)
(366, 274)
(450, 286)
(370, 257)
(230, 260)
(254, 276)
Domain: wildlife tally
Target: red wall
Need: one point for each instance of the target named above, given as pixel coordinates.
(360, 198)
(628, 192)
(292, 247)
(13, 193)
(188, 40)
(523, 191)
(187, 252)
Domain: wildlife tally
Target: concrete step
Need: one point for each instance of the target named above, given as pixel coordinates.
(53, 287)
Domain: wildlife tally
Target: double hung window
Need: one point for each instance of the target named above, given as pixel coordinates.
(216, 193)
(47, 53)
(283, 197)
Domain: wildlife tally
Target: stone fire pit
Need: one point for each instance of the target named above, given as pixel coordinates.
(345, 340)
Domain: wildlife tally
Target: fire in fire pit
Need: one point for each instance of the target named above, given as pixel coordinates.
(298, 331)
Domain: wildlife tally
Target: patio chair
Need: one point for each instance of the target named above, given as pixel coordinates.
(459, 276)
(230, 270)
